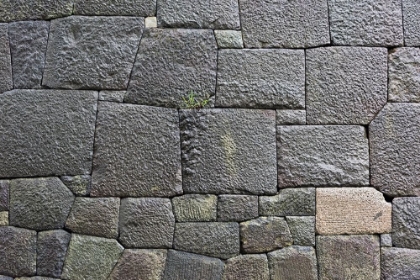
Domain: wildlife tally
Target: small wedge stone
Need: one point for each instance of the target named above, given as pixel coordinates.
(386, 240)
(4, 218)
(289, 202)
(79, 185)
(302, 230)
(195, 208)
(229, 39)
(290, 117)
(112, 96)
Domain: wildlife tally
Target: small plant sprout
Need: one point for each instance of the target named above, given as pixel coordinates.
(190, 102)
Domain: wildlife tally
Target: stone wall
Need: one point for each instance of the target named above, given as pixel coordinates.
(303, 164)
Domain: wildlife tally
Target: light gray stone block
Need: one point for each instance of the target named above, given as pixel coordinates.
(250, 267)
(237, 208)
(79, 185)
(302, 230)
(195, 208)
(4, 218)
(400, 263)
(411, 21)
(291, 117)
(386, 240)
(140, 8)
(6, 82)
(17, 10)
(289, 202)
(406, 222)
(112, 96)
(229, 39)
(5, 277)
(4, 195)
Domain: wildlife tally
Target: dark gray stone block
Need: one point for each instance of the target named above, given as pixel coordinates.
(79, 185)
(261, 79)
(220, 154)
(302, 230)
(290, 117)
(323, 156)
(157, 81)
(400, 263)
(140, 8)
(4, 195)
(122, 166)
(40, 203)
(195, 208)
(16, 10)
(406, 222)
(53, 138)
(411, 21)
(289, 202)
(345, 85)
(6, 82)
(237, 208)
(249, 267)
(91, 52)
(229, 39)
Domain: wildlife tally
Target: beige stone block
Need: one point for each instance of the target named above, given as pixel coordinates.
(4, 218)
(150, 22)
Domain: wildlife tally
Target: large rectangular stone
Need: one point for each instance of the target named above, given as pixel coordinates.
(406, 222)
(140, 8)
(400, 263)
(411, 21)
(6, 82)
(17, 10)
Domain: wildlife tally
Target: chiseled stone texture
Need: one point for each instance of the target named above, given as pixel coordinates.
(17, 251)
(39, 203)
(386, 240)
(352, 211)
(192, 66)
(348, 257)
(406, 222)
(229, 39)
(4, 218)
(302, 230)
(271, 78)
(146, 223)
(291, 117)
(400, 263)
(237, 208)
(411, 20)
(322, 156)
(139, 8)
(294, 262)
(122, 166)
(55, 137)
(284, 24)
(220, 240)
(6, 82)
(265, 234)
(91, 52)
(4, 195)
(91, 257)
(219, 153)
(94, 216)
(140, 265)
(345, 85)
(182, 265)
(195, 208)
(404, 80)
(17, 10)
(289, 202)
(249, 267)
(79, 185)
(366, 23)
(28, 44)
(112, 95)
(51, 252)
(394, 139)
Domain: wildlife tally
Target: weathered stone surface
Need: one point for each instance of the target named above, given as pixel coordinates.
(192, 67)
(404, 81)
(284, 24)
(352, 211)
(51, 252)
(322, 156)
(265, 234)
(4, 218)
(345, 85)
(400, 263)
(40, 203)
(229, 39)
(261, 79)
(94, 216)
(394, 139)
(5, 277)
(4, 195)
(386, 240)
(302, 230)
(139, 8)
(35, 278)
(16, 10)
(122, 166)
(348, 257)
(53, 138)
(367, 23)
(250, 267)
(411, 22)
(91, 257)
(140, 265)
(79, 185)
(219, 153)
(220, 240)
(289, 202)
(17, 251)
(92, 52)
(6, 82)
(237, 208)
(290, 117)
(195, 208)
(146, 223)
(406, 222)
(294, 262)
(217, 14)
(181, 265)
(28, 44)
(112, 96)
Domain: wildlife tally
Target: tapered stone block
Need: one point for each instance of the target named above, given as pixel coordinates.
(51, 252)
(406, 222)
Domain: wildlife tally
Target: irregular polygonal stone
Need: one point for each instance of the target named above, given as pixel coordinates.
(122, 166)
(322, 156)
(28, 44)
(261, 78)
(400, 263)
(284, 24)
(157, 81)
(411, 22)
(406, 222)
(16, 10)
(91, 257)
(220, 240)
(394, 139)
(92, 52)
(352, 211)
(79, 185)
(229, 39)
(216, 14)
(367, 23)
(289, 202)
(291, 117)
(4, 218)
(112, 96)
(140, 265)
(4, 195)
(182, 265)
(220, 155)
(53, 138)
(51, 252)
(250, 267)
(302, 230)
(40, 203)
(6, 82)
(146, 223)
(294, 262)
(265, 234)
(348, 257)
(94, 216)
(386, 240)
(237, 208)
(195, 208)
(345, 85)
(17, 251)
(139, 8)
